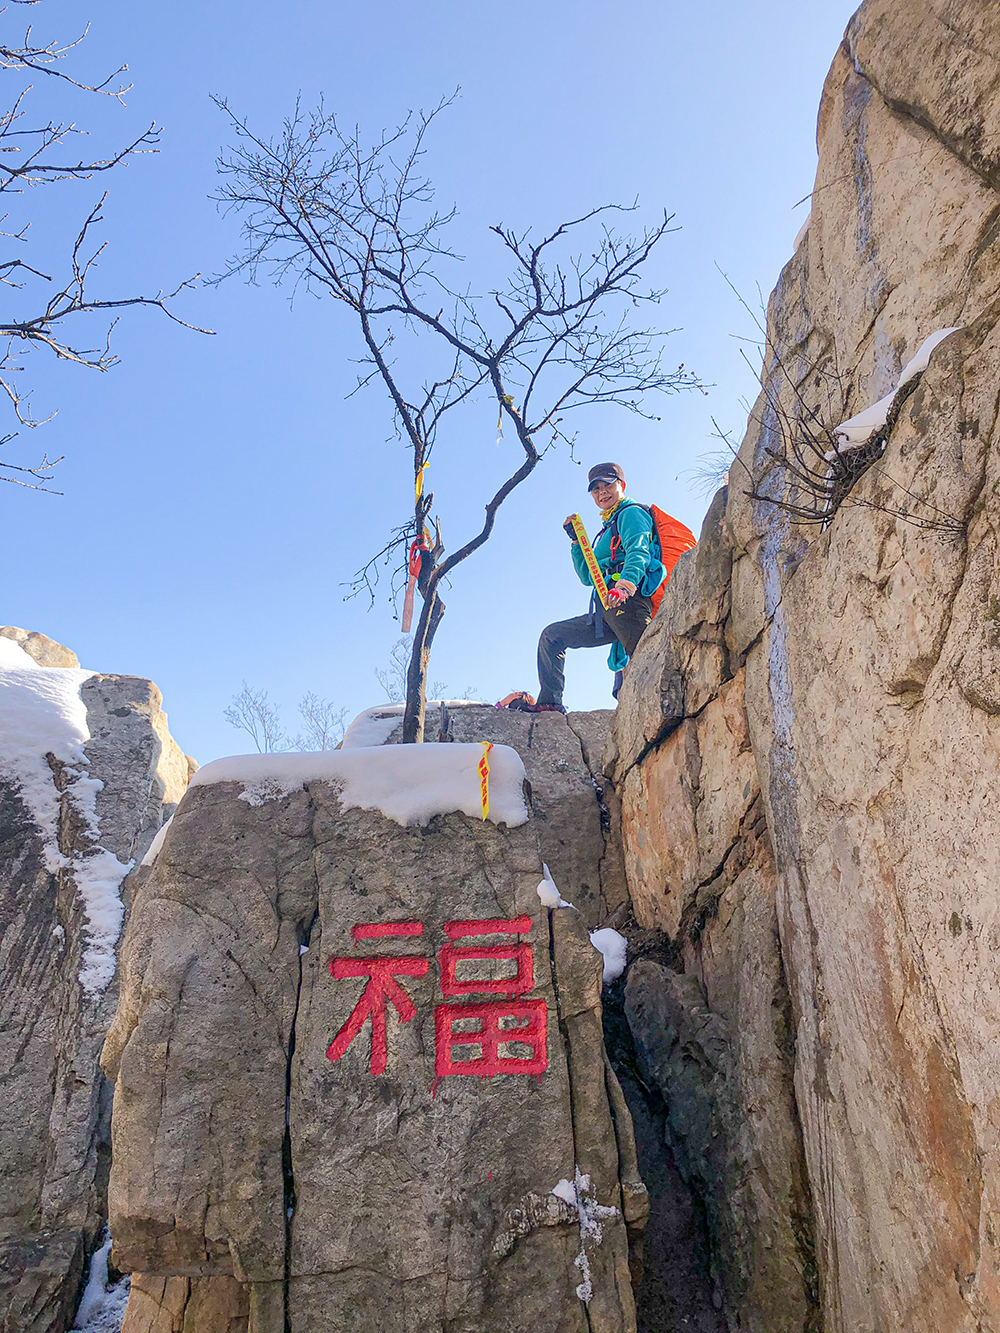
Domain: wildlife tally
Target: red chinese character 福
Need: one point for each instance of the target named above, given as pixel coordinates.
(493, 1027)
(452, 954)
(381, 989)
(499, 1023)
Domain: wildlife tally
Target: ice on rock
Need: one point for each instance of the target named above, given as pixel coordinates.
(591, 1216)
(409, 784)
(102, 1306)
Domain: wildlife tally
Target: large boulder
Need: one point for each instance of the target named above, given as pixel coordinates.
(359, 1066)
(88, 772)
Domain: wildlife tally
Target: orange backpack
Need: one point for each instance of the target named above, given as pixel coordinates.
(674, 539)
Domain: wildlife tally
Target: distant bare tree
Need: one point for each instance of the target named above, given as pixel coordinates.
(356, 222)
(392, 677)
(37, 151)
(250, 711)
(324, 724)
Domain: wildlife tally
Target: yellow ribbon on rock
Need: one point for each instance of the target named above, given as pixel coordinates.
(483, 768)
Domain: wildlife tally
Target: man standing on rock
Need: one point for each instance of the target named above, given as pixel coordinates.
(627, 549)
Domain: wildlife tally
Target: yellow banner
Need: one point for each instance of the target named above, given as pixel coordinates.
(419, 486)
(484, 777)
(590, 559)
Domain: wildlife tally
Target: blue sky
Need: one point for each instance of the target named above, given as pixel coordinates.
(219, 491)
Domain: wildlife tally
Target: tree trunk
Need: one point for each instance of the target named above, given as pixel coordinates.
(416, 676)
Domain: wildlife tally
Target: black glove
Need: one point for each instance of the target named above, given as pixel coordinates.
(568, 529)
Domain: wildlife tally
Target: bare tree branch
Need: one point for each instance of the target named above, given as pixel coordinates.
(39, 152)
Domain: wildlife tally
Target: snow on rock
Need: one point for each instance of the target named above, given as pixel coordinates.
(547, 891)
(156, 844)
(409, 784)
(98, 879)
(921, 361)
(859, 429)
(42, 714)
(102, 1307)
(375, 725)
(591, 1216)
(613, 947)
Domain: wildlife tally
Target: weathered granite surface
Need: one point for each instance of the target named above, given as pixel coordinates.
(56, 1103)
(572, 802)
(808, 747)
(341, 1194)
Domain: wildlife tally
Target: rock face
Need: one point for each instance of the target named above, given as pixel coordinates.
(807, 746)
(55, 1111)
(459, 1157)
(572, 803)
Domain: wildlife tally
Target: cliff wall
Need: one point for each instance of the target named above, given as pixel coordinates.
(88, 771)
(807, 745)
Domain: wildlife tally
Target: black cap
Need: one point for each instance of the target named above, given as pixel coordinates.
(604, 472)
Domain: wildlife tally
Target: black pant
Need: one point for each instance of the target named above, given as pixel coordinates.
(579, 632)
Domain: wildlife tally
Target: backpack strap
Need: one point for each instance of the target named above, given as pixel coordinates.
(617, 563)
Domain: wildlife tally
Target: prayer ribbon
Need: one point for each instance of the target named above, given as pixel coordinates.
(483, 768)
(593, 568)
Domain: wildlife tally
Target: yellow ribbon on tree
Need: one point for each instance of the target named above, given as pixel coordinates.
(419, 486)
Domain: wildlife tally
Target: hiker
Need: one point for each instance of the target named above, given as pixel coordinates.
(628, 553)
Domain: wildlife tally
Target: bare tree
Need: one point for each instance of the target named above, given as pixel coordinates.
(324, 724)
(250, 711)
(38, 151)
(356, 221)
(392, 677)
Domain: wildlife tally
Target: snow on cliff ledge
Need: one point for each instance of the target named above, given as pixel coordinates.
(408, 783)
(41, 714)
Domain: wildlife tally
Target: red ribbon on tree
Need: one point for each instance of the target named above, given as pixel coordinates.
(417, 548)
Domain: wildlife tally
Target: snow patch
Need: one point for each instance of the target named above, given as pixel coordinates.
(547, 891)
(42, 714)
(859, 429)
(156, 844)
(375, 725)
(102, 1307)
(409, 784)
(98, 880)
(614, 948)
(921, 361)
(591, 1216)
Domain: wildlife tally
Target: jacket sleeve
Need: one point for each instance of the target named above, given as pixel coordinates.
(580, 565)
(635, 528)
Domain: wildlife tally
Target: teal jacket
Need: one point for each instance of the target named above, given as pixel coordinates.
(637, 559)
